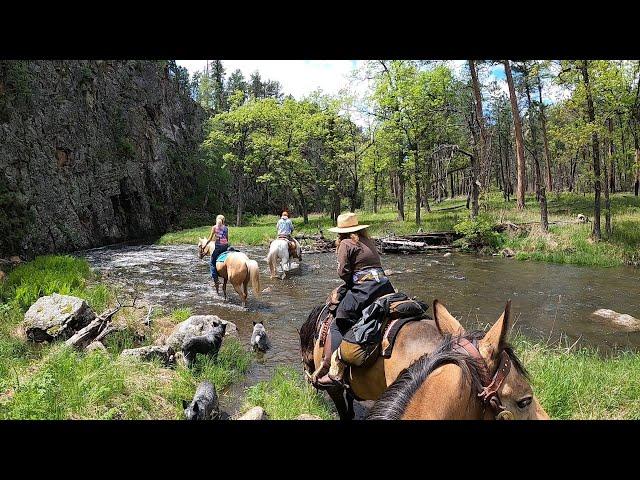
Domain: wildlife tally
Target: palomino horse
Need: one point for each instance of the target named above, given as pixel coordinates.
(414, 341)
(470, 376)
(279, 249)
(236, 268)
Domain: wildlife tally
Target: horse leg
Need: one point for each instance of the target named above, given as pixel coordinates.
(238, 289)
(350, 412)
(337, 395)
(224, 289)
(284, 272)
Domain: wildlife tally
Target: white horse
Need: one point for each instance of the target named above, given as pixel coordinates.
(279, 250)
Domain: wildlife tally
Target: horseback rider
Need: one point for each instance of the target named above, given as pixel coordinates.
(360, 268)
(285, 226)
(221, 234)
(285, 230)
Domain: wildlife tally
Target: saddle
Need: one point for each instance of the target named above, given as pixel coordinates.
(375, 334)
(222, 257)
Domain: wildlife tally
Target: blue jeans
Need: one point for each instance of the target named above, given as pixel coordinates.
(214, 256)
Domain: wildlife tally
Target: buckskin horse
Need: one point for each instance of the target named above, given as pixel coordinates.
(236, 268)
(434, 371)
(280, 249)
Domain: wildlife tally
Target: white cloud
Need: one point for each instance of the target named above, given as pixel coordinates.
(297, 77)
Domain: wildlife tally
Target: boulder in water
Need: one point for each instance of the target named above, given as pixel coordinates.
(56, 317)
(198, 325)
(621, 320)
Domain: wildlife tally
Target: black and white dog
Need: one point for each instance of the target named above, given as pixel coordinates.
(259, 339)
(204, 405)
(208, 344)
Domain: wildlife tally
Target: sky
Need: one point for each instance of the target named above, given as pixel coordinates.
(301, 77)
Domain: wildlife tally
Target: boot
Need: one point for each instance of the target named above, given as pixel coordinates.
(336, 370)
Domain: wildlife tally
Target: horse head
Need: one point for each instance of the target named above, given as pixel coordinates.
(509, 390)
(202, 243)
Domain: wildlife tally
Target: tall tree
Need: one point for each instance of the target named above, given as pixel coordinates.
(517, 124)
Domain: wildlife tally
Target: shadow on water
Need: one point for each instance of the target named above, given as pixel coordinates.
(548, 300)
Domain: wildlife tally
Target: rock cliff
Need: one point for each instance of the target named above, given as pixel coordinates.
(92, 152)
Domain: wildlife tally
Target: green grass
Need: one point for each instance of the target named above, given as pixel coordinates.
(49, 274)
(180, 314)
(583, 384)
(68, 384)
(43, 381)
(287, 395)
(565, 243)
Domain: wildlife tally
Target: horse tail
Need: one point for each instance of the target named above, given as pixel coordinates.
(271, 259)
(254, 275)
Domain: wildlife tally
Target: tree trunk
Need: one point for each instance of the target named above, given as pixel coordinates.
(418, 182)
(543, 119)
(520, 188)
(375, 192)
(608, 173)
(595, 149)
(240, 201)
(479, 141)
(540, 188)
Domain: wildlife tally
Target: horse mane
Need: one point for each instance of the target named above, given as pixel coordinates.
(307, 337)
(394, 401)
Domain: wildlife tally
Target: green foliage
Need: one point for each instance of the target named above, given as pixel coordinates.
(287, 395)
(181, 314)
(50, 274)
(583, 384)
(478, 234)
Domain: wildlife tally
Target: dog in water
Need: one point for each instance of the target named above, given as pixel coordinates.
(259, 339)
(204, 405)
(208, 344)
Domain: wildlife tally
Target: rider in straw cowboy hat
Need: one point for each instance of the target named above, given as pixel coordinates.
(364, 279)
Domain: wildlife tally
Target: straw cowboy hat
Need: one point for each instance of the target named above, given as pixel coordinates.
(347, 223)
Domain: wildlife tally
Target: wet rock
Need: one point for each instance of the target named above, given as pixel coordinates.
(56, 317)
(448, 254)
(96, 346)
(165, 353)
(508, 253)
(198, 325)
(306, 416)
(622, 320)
(256, 413)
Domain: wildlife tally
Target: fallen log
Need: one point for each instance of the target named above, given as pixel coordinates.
(83, 337)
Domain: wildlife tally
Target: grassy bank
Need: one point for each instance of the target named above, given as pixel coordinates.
(582, 384)
(570, 384)
(52, 381)
(287, 395)
(566, 242)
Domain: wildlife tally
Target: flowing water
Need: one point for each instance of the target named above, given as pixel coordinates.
(549, 302)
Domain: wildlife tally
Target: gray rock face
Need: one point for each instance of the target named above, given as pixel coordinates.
(165, 353)
(619, 320)
(256, 413)
(56, 317)
(93, 152)
(197, 325)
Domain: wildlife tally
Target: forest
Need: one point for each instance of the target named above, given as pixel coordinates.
(424, 131)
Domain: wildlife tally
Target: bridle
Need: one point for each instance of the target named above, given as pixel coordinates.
(490, 386)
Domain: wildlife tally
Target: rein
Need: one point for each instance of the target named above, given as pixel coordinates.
(490, 385)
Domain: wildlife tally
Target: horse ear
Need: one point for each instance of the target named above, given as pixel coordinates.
(254, 323)
(495, 339)
(446, 323)
(185, 404)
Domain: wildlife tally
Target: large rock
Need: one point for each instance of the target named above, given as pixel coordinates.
(307, 416)
(256, 413)
(621, 320)
(56, 317)
(165, 353)
(198, 325)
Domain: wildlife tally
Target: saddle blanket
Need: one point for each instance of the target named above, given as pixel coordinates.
(223, 256)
